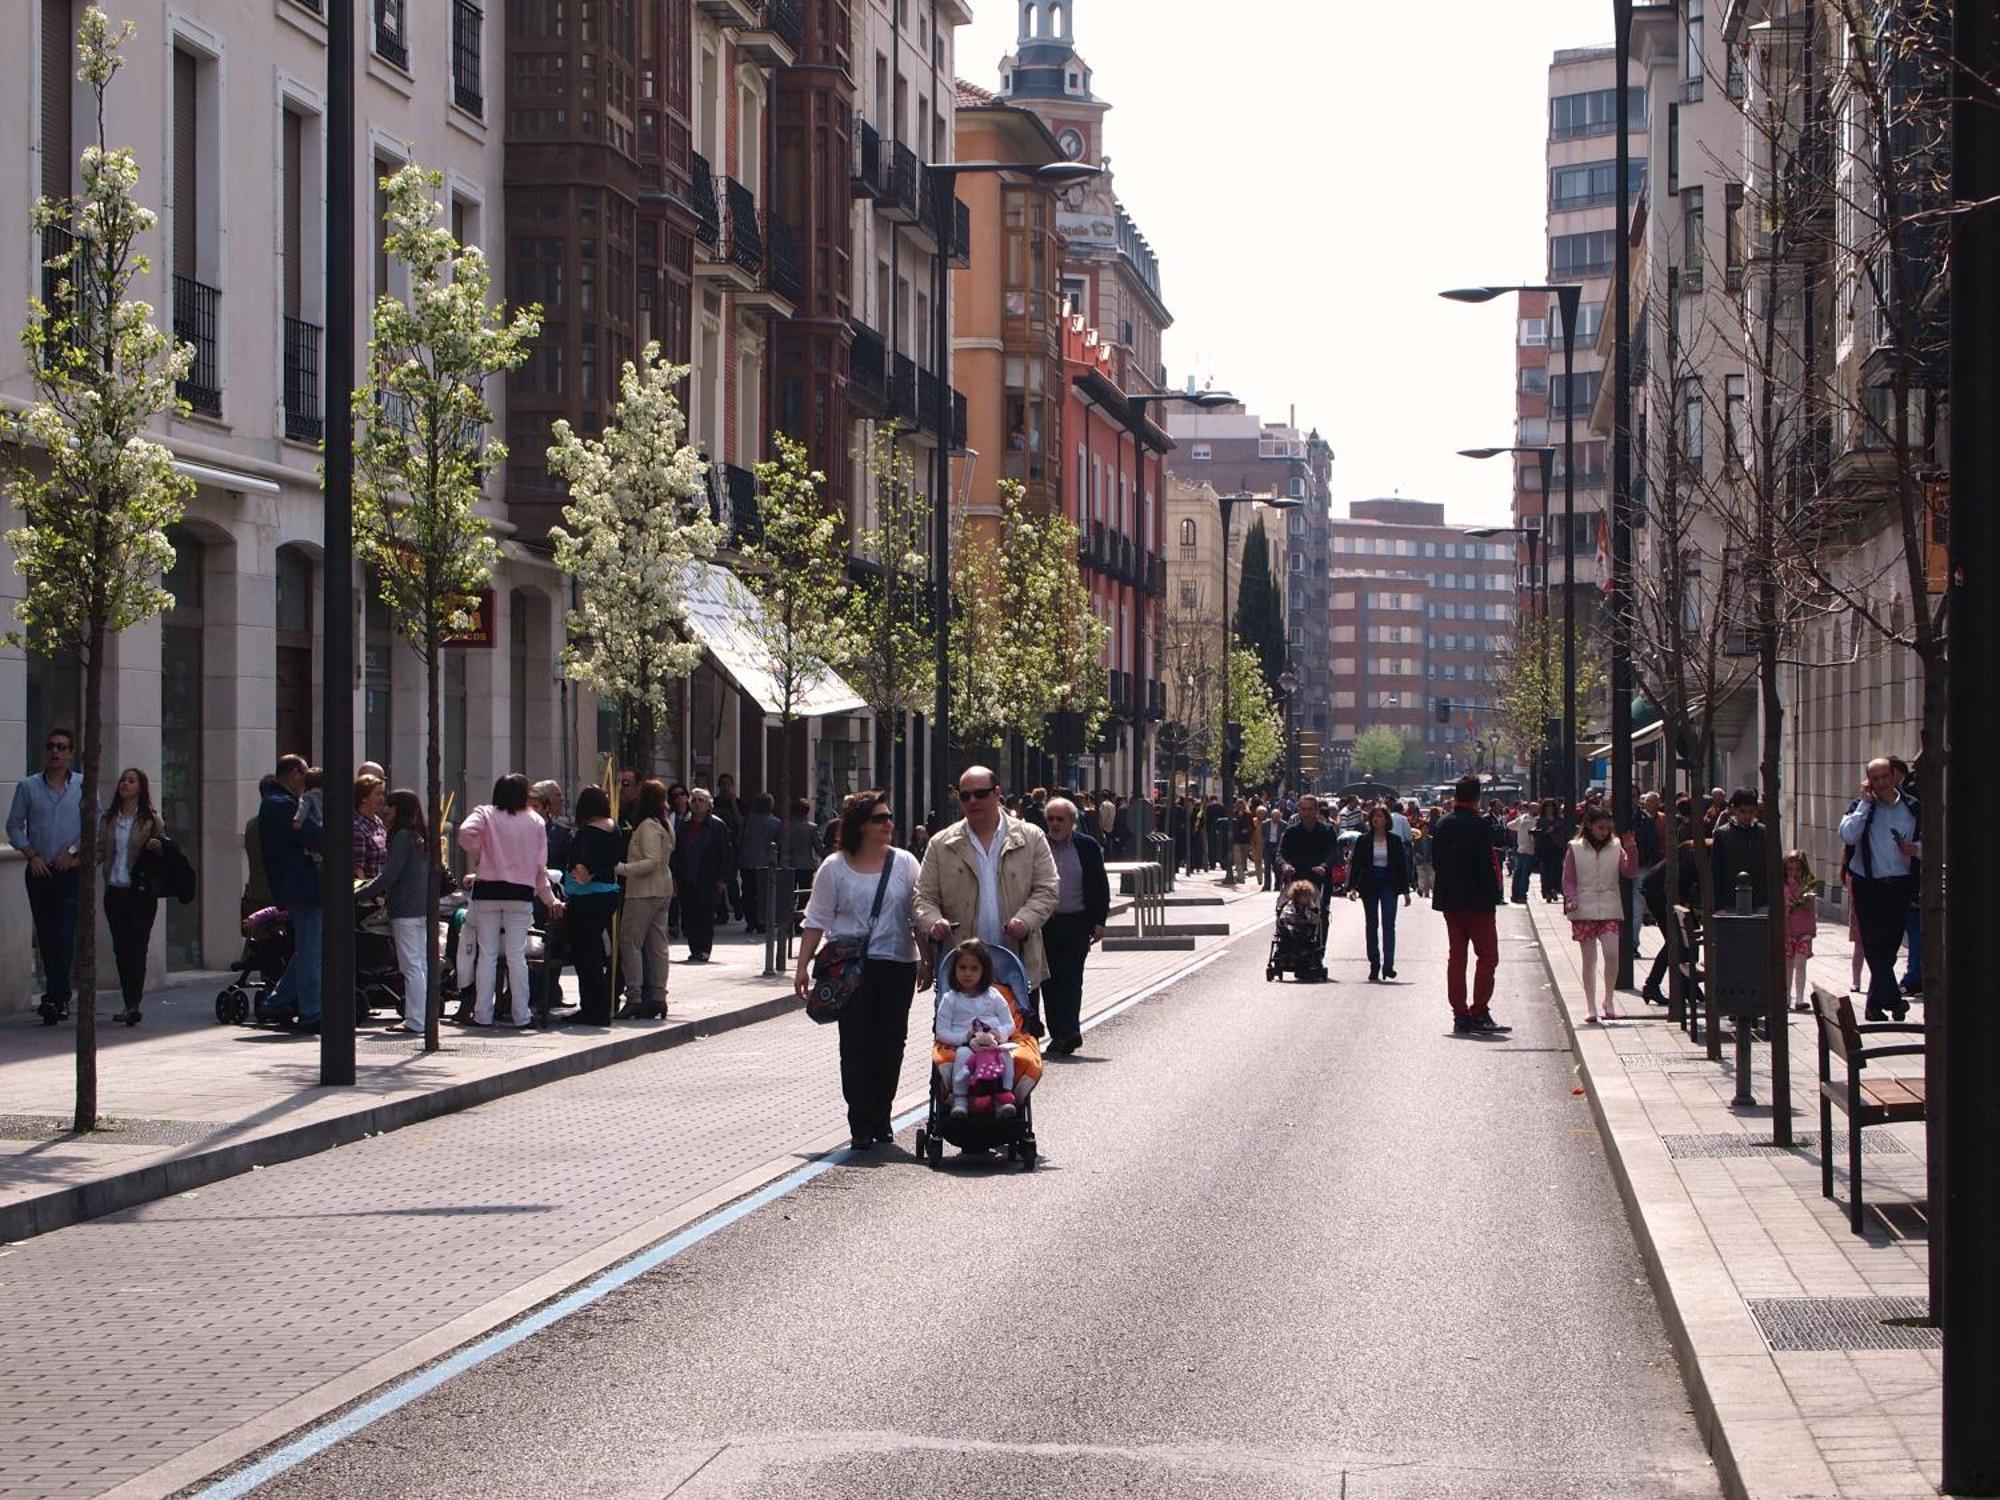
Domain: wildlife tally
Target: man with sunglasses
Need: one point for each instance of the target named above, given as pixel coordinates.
(989, 876)
(46, 824)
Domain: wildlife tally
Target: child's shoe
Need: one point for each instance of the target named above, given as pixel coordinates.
(1004, 1107)
(960, 1107)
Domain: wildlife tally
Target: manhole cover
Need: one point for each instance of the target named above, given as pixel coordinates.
(1734, 1143)
(109, 1132)
(1792, 1325)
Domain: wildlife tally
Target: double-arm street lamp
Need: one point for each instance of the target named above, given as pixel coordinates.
(944, 198)
(1288, 684)
(1568, 298)
(1228, 504)
(1540, 560)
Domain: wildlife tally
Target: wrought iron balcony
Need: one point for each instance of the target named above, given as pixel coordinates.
(787, 18)
(931, 404)
(781, 262)
(743, 240)
(775, 36)
(302, 410)
(958, 419)
(903, 389)
(708, 218)
(905, 198)
(392, 42)
(741, 516)
(868, 371)
(1097, 553)
(961, 235)
(467, 22)
(195, 318)
(868, 179)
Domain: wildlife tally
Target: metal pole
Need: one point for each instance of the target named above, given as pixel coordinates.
(1567, 299)
(1228, 770)
(1621, 508)
(944, 186)
(336, 1037)
(1547, 455)
(1970, 1025)
(1141, 673)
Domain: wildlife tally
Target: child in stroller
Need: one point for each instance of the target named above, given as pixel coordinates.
(1298, 943)
(974, 1020)
(267, 948)
(976, 1133)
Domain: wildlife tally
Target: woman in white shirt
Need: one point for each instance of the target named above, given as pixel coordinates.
(876, 1022)
(129, 834)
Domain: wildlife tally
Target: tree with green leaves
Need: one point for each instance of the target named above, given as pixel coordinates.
(1531, 686)
(891, 642)
(1260, 608)
(635, 523)
(1379, 753)
(422, 455)
(96, 494)
(796, 569)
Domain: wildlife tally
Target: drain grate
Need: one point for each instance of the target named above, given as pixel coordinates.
(1735, 1143)
(1793, 1325)
(109, 1132)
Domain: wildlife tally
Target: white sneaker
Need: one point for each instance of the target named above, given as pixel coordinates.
(960, 1109)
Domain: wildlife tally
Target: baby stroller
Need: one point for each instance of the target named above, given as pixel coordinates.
(985, 1132)
(378, 978)
(1298, 946)
(267, 948)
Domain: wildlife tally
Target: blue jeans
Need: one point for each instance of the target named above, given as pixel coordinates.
(1524, 871)
(299, 984)
(1378, 907)
(52, 902)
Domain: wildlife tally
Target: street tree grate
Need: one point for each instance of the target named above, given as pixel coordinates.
(109, 1132)
(1735, 1143)
(1795, 1325)
(1662, 1059)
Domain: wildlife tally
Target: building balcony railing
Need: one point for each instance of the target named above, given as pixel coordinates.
(743, 240)
(961, 235)
(729, 12)
(467, 21)
(868, 178)
(775, 36)
(781, 261)
(788, 19)
(931, 407)
(708, 216)
(903, 389)
(905, 198)
(958, 420)
(737, 505)
(391, 36)
(302, 409)
(868, 371)
(196, 309)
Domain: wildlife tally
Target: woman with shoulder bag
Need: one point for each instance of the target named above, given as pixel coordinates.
(643, 955)
(129, 838)
(864, 896)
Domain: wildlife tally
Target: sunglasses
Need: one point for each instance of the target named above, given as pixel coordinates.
(57, 745)
(882, 817)
(977, 794)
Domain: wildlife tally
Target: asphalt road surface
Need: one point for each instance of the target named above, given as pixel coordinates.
(1285, 1241)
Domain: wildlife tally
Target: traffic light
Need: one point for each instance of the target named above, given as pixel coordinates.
(1441, 709)
(1232, 748)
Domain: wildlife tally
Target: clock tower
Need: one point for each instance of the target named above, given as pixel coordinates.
(1046, 76)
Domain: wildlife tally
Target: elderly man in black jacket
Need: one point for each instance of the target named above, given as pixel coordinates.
(1083, 906)
(1466, 888)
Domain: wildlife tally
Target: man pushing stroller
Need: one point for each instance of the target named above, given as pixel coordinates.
(1310, 850)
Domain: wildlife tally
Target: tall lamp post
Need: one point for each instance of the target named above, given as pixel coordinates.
(1621, 474)
(1536, 537)
(1288, 684)
(944, 198)
(1136, 405)
(1568, 298)
(1228, 504)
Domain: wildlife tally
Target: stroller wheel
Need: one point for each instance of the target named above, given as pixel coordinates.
(1270, 973)
(937, 1153)
(1029, 1156)
(240, 1010)
(922, 1142)
(225, 1008)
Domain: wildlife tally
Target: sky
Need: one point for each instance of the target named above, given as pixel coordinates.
(1311, 174)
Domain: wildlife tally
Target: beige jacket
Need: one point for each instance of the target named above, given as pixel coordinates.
(948, 886)
(647, 854)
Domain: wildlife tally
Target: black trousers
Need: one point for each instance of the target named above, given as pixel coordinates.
(1881, 908)
(129, 913)
(698, 904)
(873, 1029)
(1066, 944)
(586, 929)
(754, 896)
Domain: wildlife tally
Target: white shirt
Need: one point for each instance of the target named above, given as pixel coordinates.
(121, 851)
(990, 926)
(1400, 826)
(842, 897)
(957, 1011)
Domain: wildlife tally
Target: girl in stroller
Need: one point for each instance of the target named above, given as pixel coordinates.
(974, 1018)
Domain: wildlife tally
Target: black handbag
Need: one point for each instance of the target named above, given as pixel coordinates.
(837, 966)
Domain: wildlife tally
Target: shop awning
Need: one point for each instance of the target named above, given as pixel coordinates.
(721, 615)
(1641, 738)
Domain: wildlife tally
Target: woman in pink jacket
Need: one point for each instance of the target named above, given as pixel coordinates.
(510, 849)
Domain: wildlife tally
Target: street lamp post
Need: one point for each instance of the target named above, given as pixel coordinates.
(1568, 298)
(1537, 548)
(1288, 684)
(1228, 503)
(944, 196)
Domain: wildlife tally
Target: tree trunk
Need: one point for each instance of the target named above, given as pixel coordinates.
(1776, 968)
(434, 852)
(83, 982)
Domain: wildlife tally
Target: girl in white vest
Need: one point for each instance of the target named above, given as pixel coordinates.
(1594, 905)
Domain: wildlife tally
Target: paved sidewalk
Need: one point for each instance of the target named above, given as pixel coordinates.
(162, 1343)
(1806, 1386)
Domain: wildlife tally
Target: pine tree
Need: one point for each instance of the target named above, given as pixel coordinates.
(1260, 616)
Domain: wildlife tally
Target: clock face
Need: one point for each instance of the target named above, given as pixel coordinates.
(1071, 141)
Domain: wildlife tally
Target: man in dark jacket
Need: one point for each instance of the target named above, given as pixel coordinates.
(1083, 906)
(288, 837)
(704, 859)
(1466, 888)
(1739, 850)
(1310, 850)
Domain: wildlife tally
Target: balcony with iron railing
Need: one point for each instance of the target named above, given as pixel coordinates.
(781, 261)
(776, 36)
(303, 422)
(743, 240)
(931, 405)
(708, 216)
(467, 87)
(868, 372)
(868, 181)
(733, 503)
(961, 235)
(905, 198)
(392, 37)
(903, 389)
(196, 314)
(958, 421)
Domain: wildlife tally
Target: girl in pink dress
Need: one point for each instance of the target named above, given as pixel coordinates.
(1801, 922)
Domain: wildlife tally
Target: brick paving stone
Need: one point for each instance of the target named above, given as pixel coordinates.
(166, 1326)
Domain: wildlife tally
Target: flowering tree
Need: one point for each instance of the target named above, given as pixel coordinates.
(890, 662)
(422, 456)
(1250, 705)
(796, 569)
(96, 494)
(636, 521)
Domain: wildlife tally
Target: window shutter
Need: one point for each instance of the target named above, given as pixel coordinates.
(294, 213)
(58, 97)
(186, 204)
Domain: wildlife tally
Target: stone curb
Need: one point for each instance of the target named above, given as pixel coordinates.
(1760, 1443)
(64, 1206)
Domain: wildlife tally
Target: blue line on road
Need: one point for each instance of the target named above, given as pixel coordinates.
(319, 1439)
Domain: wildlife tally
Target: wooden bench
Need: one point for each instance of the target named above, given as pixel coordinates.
(1865, 1101)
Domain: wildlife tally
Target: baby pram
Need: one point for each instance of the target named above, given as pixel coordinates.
(267, 948)
(1298, 947)
(979, 1133)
